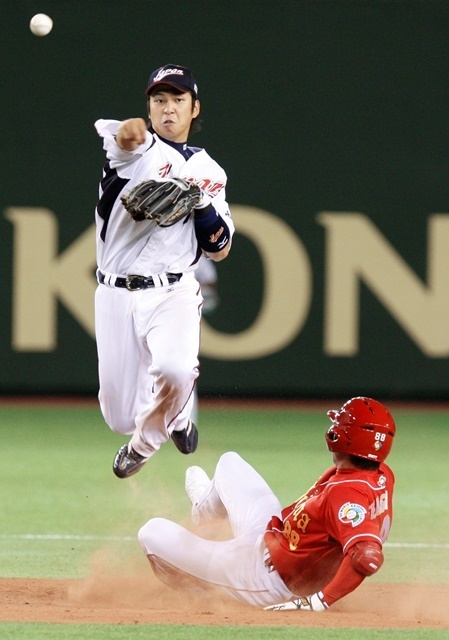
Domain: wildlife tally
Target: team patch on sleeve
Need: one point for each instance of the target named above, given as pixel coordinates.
(352, 513)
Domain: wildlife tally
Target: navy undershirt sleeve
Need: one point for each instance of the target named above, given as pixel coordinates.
(211, 230)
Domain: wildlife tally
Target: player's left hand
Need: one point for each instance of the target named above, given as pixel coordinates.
(165, 201)
(304, 603)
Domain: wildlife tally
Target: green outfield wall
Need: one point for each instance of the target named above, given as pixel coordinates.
(331, 120)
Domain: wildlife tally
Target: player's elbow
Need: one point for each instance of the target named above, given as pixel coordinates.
(367, 557)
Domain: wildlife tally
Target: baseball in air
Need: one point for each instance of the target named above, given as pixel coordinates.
(41, 24)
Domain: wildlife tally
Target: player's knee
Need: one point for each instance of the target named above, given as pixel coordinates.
(367, 557)
(176, 370)
(119, 423)
(177, 376)
(230, 457)
(119, 427)
(150, 535)
(115, 418)
(227, 461)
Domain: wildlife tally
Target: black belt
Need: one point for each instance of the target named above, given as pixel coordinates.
(135, 283)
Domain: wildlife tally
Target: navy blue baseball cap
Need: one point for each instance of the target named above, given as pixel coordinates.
(174, 75)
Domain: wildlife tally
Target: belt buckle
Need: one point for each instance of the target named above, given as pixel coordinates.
(134, 283)
(173, 277)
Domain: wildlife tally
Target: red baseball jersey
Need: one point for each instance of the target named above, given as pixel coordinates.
(342, 508)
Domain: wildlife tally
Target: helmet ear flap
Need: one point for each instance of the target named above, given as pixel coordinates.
(336, 438)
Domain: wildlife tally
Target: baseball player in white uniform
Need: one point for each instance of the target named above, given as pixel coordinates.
(148, 301)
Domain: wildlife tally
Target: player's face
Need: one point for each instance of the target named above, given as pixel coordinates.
(171, 114)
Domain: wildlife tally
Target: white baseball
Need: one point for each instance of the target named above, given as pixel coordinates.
(41, 24)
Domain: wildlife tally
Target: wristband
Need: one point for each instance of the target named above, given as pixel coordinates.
(211, 230)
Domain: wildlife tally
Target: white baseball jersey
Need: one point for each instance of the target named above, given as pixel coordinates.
(144, 248)
(148, 340)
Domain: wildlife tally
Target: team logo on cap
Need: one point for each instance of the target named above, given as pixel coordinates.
(352, 513)
(167, 72)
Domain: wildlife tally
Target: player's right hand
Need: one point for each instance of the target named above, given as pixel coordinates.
(304, 603)
(131, 133)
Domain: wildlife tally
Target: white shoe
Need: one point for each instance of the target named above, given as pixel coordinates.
(196, 482)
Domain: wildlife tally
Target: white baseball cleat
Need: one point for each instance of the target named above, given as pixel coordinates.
(196, 482)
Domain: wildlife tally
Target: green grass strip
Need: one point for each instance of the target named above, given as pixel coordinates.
(23, 631)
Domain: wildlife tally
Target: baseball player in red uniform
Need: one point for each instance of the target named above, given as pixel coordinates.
(306, 556)
(148, 301)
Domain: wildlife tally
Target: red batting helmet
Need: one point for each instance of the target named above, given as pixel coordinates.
(362, 427)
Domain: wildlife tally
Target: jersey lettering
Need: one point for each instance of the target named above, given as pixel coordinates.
(379, 505)
(303, 522)
(293, 536)
(208, 186)
(299, 505)
(385, 529)
(164, 170)
(299, 508)
(214, 188)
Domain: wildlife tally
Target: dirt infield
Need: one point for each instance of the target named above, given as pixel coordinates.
(145, 601)
(141, 599)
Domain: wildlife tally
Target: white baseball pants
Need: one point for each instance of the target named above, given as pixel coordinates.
(234, 566)
(148, 344)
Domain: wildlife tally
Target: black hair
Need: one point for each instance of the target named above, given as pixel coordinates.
(364, 463)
